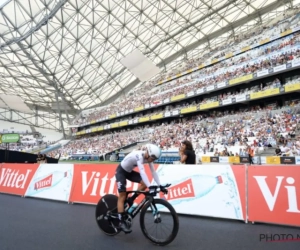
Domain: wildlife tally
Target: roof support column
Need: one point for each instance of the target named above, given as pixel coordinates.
(60, 117)
(36, 113)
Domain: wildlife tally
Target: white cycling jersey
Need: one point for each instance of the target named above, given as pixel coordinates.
(136, 159)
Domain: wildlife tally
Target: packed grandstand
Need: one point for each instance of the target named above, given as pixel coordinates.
(242, 93)
(275, 53)
(188, 103)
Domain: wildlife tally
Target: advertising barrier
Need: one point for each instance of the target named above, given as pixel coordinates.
(51, 182)
(273, 159)
(234, 159)
(273, 194)
(214, 159)
(244, 159)
(208, 191)
(223, 159)
(287, 160)
(270, 160)
(259, 193)
(92, 181)
(15, 178)
(205, 159)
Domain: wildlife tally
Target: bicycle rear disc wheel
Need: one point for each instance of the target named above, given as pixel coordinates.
(164, 232)
(107, 203)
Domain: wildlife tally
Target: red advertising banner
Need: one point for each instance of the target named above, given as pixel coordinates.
(15, 178)
(92, 181)
(274, 194)
(239, 172)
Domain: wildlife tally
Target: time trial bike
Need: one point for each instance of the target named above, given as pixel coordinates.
(156, 215)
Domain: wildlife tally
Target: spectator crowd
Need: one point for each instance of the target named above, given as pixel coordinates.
(273, 54)
(275, 83)
(259, 33)
(222, 132)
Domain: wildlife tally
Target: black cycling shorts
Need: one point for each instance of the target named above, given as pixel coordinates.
(122, 176)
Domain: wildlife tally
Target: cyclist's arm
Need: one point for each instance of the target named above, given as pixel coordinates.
(143, 173)
(154, 174)
(183, 157)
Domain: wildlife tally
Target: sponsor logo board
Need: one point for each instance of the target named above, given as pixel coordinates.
(287, 160)
(51, 182)
(276, 190)
(92, 181)
(15, 178)
(204, 190)
(223, 159)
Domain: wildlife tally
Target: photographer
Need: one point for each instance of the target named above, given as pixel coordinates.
(39, 157)
(187, 153)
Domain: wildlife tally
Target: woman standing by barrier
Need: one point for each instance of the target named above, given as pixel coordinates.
(187, 153)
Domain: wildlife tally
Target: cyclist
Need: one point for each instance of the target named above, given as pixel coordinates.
(125, 171)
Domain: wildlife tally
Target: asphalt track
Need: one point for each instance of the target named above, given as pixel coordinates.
(36, 224)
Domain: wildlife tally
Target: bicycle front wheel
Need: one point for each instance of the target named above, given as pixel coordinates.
(159, 226)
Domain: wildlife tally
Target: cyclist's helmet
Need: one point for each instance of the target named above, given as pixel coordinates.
(153, 151)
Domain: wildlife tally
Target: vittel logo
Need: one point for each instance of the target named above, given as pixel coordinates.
(46, 182)
(181, 190)
(287, 183)
(94, 185)
(13, 178)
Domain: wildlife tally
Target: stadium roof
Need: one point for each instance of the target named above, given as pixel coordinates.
(59, 51)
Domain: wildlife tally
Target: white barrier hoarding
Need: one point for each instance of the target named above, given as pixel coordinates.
(203, 190)
(52, 182)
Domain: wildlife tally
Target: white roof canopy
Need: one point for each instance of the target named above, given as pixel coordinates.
(140, 66)
(72, 49)
(13, 102)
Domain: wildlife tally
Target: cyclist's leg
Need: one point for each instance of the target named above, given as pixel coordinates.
(121, 184)
(136, 177)
(121, 201)
(143, 186)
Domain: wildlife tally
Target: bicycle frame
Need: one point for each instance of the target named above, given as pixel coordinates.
(142, 203)
(139, 207)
